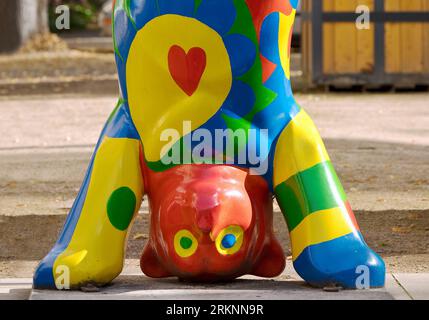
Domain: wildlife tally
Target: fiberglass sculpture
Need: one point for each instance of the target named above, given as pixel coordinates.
(207, 128)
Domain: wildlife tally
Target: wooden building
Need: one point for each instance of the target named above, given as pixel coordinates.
(394, 50)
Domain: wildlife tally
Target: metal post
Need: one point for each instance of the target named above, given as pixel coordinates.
(379, 43)
(317, 35)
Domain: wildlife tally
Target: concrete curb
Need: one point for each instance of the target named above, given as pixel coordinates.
(105, 84)
(76, 85)
(82, 85)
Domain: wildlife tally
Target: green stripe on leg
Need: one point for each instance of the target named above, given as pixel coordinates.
(317, 188)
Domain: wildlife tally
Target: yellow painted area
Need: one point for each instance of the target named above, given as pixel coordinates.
(156, 101)
(320, 227)
(96, 250)
(285, 28)
(238, 232)
(183, 252)
(299, 147)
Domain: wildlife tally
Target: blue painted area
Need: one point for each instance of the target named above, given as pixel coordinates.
(294, 3)
(269, 38)
(277, 115)
(336, 261)
(242, 53)
(258, 154)
(125, 33)
(268, 176)
(284, 108)
(143, 11)
(181, 7)
(240, 99)
(229, 241)
(250, 156)
(217, 14)
(119, 126)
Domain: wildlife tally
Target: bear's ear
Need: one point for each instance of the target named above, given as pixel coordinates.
(271, 262)
(150, 265)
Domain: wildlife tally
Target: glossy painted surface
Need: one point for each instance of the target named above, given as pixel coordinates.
(216, 65)
(210, 223)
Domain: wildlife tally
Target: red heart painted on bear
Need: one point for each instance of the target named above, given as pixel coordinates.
(187, 68)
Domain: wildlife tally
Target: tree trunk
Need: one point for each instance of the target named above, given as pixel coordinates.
(19, 20)
(43, 23)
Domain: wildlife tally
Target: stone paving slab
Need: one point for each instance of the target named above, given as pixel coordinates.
(416, 285)
(15, 289)
(399, 286)
(285, 287)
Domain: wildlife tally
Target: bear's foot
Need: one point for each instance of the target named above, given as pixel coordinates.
(76, 269)
(346, 261)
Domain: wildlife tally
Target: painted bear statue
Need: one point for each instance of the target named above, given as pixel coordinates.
(207, 128)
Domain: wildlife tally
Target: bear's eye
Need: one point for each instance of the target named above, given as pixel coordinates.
(185, 243)
(229, 240)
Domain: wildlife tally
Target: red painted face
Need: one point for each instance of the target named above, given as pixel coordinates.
(210, 223)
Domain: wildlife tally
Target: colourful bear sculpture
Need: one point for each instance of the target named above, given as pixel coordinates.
(189, 69)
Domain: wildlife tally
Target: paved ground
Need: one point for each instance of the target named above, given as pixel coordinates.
(285, 287)
(379, 144)
(131, 286)
(134, 286)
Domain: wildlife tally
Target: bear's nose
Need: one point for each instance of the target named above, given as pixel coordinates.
(205, 220)
(205, 204)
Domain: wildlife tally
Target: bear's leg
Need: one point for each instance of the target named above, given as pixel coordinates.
(327, 246)
(90, 249)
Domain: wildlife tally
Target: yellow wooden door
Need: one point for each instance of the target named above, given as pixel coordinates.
(347, 49)
(407, 44)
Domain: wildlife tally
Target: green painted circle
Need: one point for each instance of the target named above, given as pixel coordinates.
(120, 208)
(185, 243)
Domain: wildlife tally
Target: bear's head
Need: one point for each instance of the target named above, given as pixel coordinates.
(210, 223)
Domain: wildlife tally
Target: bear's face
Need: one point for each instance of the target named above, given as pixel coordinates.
(210, 223)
